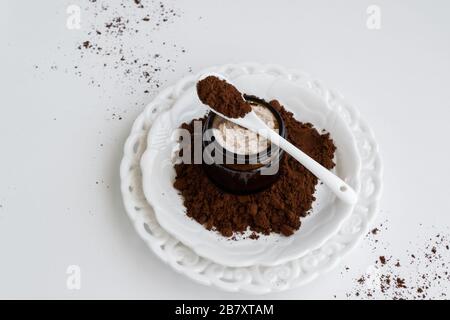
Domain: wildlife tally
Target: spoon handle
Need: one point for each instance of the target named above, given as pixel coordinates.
(342, 190)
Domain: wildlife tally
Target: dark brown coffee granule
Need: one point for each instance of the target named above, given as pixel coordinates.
(277, 209)
(222, 97)
(400, 283)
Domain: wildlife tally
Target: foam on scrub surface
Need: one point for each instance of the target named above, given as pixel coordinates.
(240, 140)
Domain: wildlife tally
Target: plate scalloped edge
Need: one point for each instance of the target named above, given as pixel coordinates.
(254, 279)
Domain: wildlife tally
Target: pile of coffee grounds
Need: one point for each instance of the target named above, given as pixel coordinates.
(222, 97)
(277, 209)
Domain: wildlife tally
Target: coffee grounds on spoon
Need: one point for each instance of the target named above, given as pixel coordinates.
(277, 209)
(222, 97)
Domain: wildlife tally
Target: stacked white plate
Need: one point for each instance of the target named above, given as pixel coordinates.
(270, 263)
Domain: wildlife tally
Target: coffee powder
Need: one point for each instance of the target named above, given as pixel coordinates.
(277, 209)
(222, 97)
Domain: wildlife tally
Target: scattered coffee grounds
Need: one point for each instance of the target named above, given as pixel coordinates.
(277, 209)
(223, 97)
(111, 48)
(423, 273)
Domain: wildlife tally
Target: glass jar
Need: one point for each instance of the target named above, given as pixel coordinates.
(242, 173)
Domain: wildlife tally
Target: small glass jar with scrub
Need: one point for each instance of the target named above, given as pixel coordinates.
(238, 160)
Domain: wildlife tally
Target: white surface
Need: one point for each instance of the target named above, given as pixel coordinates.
(53, 214)
(297, 92)
(325, 237)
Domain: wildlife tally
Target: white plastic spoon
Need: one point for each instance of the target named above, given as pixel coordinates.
(252, 122)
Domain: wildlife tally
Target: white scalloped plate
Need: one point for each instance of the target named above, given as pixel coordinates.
(325, 218)
(255, 279)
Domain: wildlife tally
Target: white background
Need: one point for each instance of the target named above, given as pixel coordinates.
(53, 123)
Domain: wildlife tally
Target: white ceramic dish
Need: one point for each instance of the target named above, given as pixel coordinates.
(326, 216)
(255, 279)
